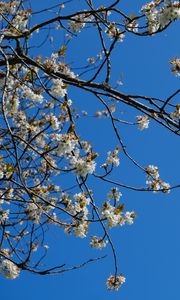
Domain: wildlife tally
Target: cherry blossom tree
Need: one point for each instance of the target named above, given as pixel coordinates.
(41, 143)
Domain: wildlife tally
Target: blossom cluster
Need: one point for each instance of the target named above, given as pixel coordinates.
(8, 7)
(98, 242)
(54, 64)
(114, 282)
(8, 269)
(114, 214)
(154, 180)
(114, 32)
(78, 207)
(158, 18)
(79, 22)
(143, 122)
(175, 62)
(112, 158)
(83, 165)
(176, 114)
(19, 17)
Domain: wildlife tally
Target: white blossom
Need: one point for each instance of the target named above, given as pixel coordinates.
(113, 215)
(77, 24)
(176, 114)
(143, 122)
(54, 122)
(114, 282)
(79, 206)
(67, 143)
(152, 171)
(112, 158)
(59, 89)
(28, 93)
(4, 215)
(132, 26)
(9, 270)
(166, 187)
(114, 194)
(80, 229)
(159, 18)
(83, 166)
(129, 217)
(98, 242)
(175, 62)
(33, 212)
(1, 174)
(114, 32)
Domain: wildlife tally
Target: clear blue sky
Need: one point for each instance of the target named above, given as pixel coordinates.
(149, 250)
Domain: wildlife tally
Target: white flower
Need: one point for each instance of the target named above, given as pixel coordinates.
(81, 229)
(154, 185)
(166, 187)
(113, 216)
(114, 282)
(59, 89)
(80, 205)
(9, 270)
(83, 166)
(129, 217)
(114, 32)
(67, 143)
(4, 215)
(82, 199)
(159, 18)
(77, 24)
(33, 212)
(143, 122)
(97, 242)
(114, 194)
(152, 171)
(132, 26)
(175, 62)
(168, 14)
(28, 93)
(86, 146)
(54, 122)
(1, 174)
(6, 252)
(112, 158)
(176, 114)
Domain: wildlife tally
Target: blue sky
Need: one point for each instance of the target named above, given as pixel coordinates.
(148, 251)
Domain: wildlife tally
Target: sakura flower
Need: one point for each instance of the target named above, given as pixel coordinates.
(54, 122)
(9, 270)
(129, 217)
(175, 62)
(166, 187)
(59, 88)
(143, 122)
(77, 24)
(152, 171)
(80, 229)
(83, 166)
(28, 93)
(114, 194)
(98, 243)
(176, 114)
(114, 282)
(114, 32)
(67, 143)
(112, 158)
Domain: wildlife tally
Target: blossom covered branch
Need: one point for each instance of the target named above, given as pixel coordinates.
(40, 137)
